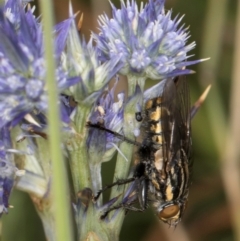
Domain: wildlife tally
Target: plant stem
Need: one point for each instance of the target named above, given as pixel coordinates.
(122, 168)
(60, 188)
(78, 151)
(230, 159)
(226, 135)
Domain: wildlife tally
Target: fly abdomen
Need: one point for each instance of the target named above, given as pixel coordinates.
(155, 127)
(152, 122)
(177, 179)
(153, 103)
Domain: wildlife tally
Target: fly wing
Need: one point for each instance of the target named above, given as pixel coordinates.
(167, 116)
(175, 118)
(184, 127)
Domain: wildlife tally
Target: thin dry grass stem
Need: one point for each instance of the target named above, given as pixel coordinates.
(226, 136)
(212, 43)
(230, 160)
(179, 233)
(212, 46)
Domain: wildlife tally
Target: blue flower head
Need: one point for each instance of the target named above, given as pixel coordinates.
(22, 65)
(150, 43)
(81, 59)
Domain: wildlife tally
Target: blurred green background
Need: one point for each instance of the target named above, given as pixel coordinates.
(214, 203)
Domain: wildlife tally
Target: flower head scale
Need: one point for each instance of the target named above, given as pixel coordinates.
(7, 174)
(81, 58)
(22, 66)
(12, 9)
(108, 113)
(7, 169)
(148, 41)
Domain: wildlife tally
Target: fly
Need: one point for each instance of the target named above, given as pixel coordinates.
(163, 172)
(167, 166)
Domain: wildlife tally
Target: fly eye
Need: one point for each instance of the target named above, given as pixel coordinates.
(138, 116)
(169, 212)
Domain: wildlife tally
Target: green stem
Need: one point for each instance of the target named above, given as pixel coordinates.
(59, 183)
(78, 151)
(135, 99)
(46, 213)
(94, 229)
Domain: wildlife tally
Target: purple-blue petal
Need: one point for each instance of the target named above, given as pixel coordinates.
(62, 31)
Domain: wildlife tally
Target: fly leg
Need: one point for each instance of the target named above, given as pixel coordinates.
(119, 136)
(126, 206)
(117, 183)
